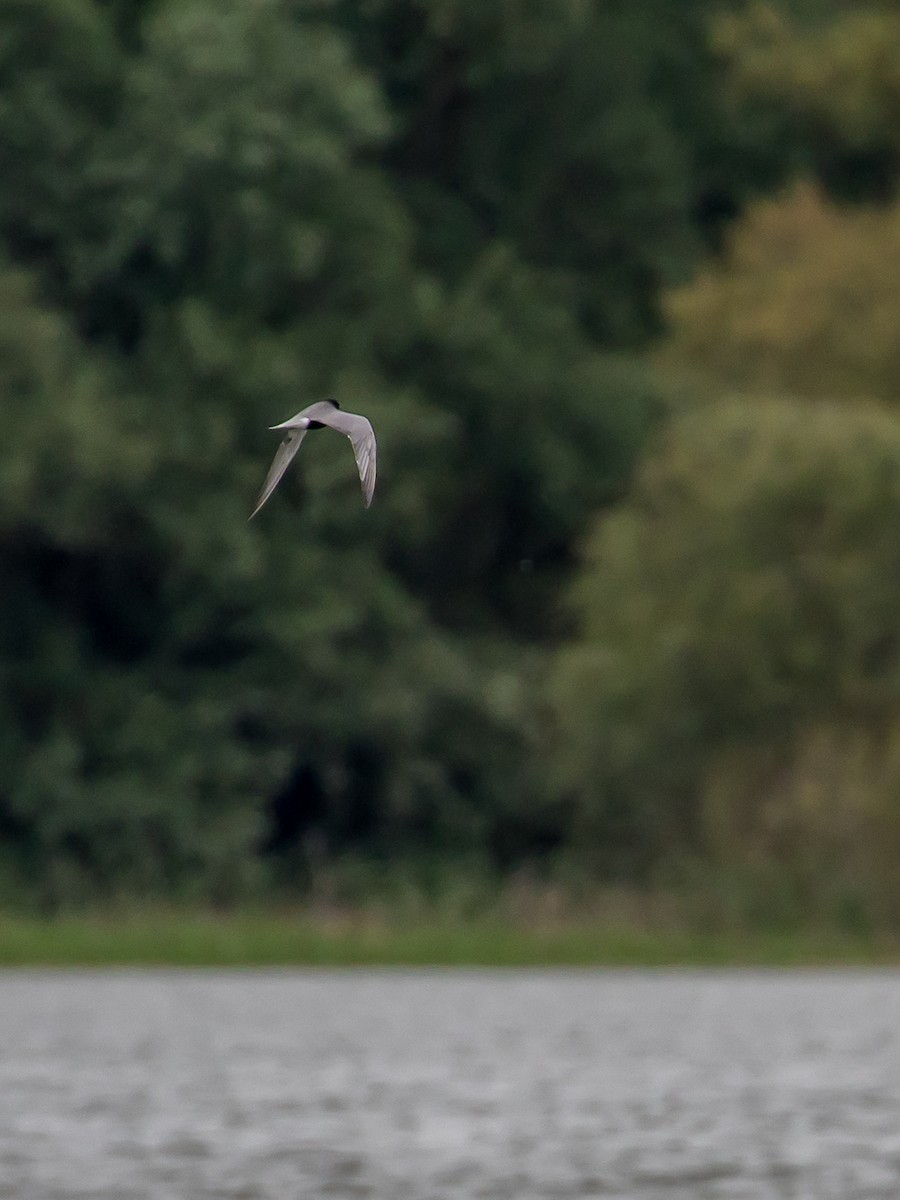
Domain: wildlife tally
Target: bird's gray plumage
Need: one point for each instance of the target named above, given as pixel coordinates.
(323, 413)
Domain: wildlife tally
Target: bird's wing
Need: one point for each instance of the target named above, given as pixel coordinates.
(280, 463)
(362, 439)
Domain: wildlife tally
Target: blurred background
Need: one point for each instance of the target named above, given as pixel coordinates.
(618, 285)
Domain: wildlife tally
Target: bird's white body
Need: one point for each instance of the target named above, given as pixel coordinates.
(297, 422)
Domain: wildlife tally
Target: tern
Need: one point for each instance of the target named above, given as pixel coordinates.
(321, 414)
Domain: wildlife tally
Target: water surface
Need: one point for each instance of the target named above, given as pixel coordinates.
(155, 1085)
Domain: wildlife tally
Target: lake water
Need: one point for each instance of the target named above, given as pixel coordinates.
(433, 1084)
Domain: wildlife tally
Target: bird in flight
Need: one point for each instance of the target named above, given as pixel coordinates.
(323, 413)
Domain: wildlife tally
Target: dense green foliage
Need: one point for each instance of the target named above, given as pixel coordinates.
(222, 210)
(742, 689)
(462, 219)
(731, 702)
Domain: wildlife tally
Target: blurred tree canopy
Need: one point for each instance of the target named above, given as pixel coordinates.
(738, 611)
(731, 694)
(832, 70)
(804, 302)
(458, 219)
(464, 220)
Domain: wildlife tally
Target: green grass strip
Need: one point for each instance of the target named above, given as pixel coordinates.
(197, 940)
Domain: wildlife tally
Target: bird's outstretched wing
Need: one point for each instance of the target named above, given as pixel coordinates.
(362, 439)
(280, 463)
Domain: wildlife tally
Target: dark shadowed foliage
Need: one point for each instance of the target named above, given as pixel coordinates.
(456, 217)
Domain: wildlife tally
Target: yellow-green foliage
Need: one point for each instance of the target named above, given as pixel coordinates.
(820, 805)
(841, 77)
(806, 301)
(737, 682)
(738, 615)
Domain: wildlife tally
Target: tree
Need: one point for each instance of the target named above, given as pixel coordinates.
(258, 229)
(174, 669)
(587, 136)
(456, 219)
(805, 301)
(834, 76)
(739, 607)
(60, 72)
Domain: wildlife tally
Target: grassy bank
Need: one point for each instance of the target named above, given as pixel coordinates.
(354, 939)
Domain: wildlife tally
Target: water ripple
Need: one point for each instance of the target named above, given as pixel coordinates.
(156, 1085)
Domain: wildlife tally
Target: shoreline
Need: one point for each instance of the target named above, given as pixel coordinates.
(302, 939)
